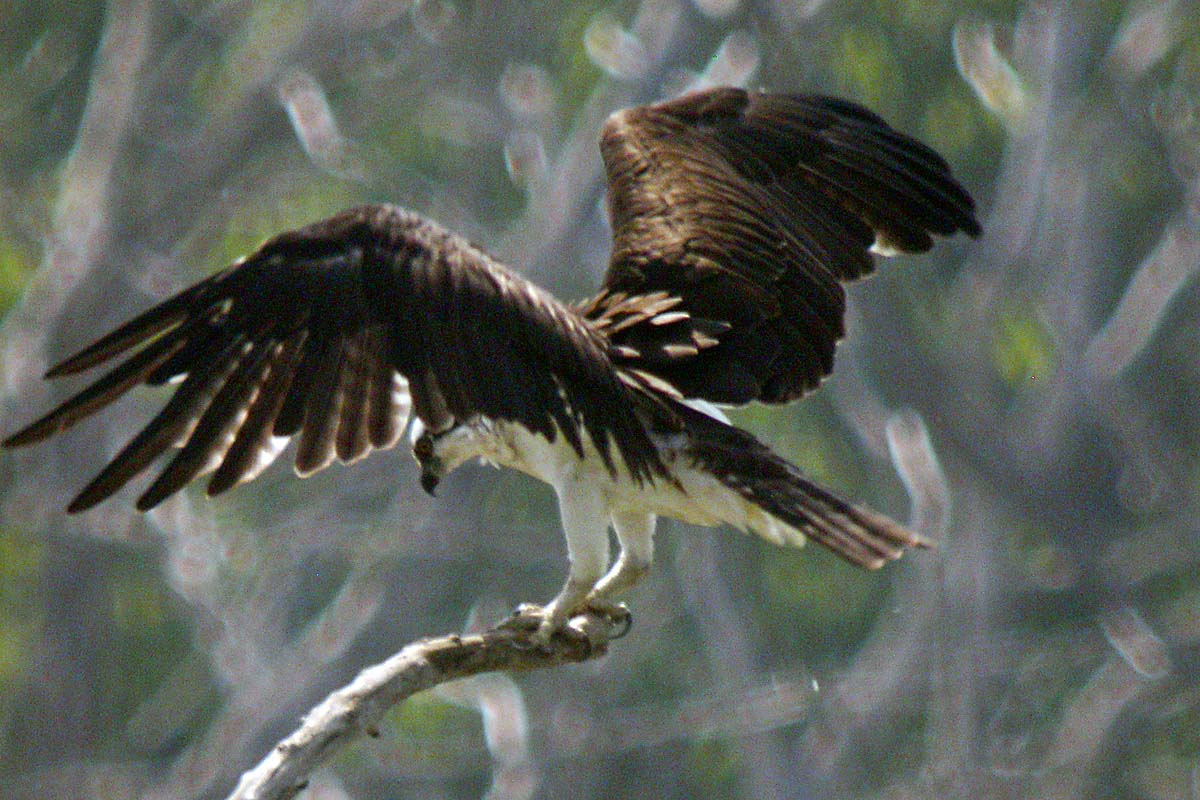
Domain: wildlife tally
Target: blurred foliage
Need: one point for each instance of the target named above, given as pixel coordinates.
(20, 570)
(1022, 349)
(160, 657)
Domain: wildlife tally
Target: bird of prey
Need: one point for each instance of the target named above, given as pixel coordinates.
(736, 217)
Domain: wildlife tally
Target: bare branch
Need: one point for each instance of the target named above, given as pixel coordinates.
(358, 707)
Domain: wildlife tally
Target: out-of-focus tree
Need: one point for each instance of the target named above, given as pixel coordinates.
(1029, 399)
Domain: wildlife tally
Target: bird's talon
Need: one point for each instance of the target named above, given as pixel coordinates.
(545, 632)
(524, 617)
(620, 619)
(543, 621)
(617, 615)
(546, 622)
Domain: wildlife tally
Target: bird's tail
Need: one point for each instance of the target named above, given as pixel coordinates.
(787, 507)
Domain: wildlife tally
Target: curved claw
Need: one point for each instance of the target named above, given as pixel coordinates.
(617, 615)
(623, 618)
(524, 616)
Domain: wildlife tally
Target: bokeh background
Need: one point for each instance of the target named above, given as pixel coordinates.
(1031, 400)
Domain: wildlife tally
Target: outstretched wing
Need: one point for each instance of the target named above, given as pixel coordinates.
(738, 215)
(324, 334)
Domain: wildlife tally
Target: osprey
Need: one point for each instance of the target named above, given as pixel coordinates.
(736, 217)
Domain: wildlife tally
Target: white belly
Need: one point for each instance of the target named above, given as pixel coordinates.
(696, 497)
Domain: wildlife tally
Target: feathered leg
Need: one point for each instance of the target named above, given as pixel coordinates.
(585, 523)
(635, 533)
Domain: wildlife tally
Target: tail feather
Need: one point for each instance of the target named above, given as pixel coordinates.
(861, 536)
(790, 507)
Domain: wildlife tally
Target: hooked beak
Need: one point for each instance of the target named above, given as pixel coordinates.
(429, 481)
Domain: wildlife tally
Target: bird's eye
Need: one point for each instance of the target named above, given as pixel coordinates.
(423, 447)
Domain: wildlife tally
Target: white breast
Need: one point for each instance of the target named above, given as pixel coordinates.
(696, 497)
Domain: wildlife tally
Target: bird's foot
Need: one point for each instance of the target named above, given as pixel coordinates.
(541, 619)
(552, 620)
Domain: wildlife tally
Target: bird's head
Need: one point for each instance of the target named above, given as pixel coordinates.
(439, 453)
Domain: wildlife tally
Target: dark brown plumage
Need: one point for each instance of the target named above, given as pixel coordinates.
(752, 208)
(306, 336)
(736, 217)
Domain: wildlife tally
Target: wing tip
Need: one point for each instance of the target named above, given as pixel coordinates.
(149, 501)
(970, 226)
(30, 434)
(85, 500)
